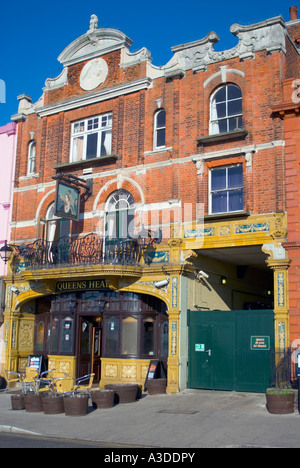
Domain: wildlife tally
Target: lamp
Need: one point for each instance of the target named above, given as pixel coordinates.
(144, 237)
(5, 252)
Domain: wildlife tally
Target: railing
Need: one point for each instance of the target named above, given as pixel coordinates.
(88, 250)
(283, 369)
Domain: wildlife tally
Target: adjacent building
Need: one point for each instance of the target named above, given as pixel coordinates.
(150, 212)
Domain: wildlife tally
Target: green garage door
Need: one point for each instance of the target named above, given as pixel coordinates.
(230, 350)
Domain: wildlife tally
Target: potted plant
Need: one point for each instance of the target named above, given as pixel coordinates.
(33, 402)
(17, 402)
(53, 403)
(76, 404)
(102, 399)
(280, 400)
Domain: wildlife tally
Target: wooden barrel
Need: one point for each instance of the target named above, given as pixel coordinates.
(17, 402)
(76, 405)
(280, 403)
(102, 399)
(33, 403)
(53, 404)
(126, 393)
(156, 386)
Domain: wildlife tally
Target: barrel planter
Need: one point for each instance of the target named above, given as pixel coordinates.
(33, 403)
(103, 399)
(76, 405)
(280, 401)
(126, 393)
(156, 386)
(53, 404)
(17, 402)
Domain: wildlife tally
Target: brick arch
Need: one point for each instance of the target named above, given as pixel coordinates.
(115, 184)
(44, 204)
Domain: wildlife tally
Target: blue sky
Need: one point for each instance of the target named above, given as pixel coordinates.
(33, 33)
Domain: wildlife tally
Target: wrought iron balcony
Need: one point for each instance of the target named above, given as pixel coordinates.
(88, 250)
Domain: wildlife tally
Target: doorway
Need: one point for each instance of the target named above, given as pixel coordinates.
(89, 347)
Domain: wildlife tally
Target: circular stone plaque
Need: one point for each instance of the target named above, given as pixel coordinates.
(93, 74)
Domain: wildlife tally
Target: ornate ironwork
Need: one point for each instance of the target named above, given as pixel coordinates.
(88, 250)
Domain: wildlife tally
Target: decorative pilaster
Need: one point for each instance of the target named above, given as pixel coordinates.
(173, 361)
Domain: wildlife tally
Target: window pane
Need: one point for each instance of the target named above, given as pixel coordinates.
(53, 336)
(219, 202)
(39, 346)
(129, 335)
(105, 143)
(221, 110)
(164, 339)
(77, 153)
(91, 147)
(161, 119)
(218, 179)
(223, 126)
(235, 107)
(235, 176)
(235, 123)
(112, 336)
(236, 200)
(234, 92)
(220, 95)
(160, 137)
(148, 337)
(66, 343)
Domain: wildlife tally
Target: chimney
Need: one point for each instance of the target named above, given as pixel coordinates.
(293, 12)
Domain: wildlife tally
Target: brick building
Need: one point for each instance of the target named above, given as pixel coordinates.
(150, 212)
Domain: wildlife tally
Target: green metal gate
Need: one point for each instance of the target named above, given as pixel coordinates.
(230, 350)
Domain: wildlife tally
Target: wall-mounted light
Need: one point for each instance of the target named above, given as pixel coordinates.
(5, 252)
(223, 280)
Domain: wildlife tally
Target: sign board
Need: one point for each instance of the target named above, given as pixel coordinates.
(67, 201)
(156, 370)
(91, 285)
(260, 343)
(200, 347)
(37, 362)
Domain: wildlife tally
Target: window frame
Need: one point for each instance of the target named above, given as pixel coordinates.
(215, 121)
(158, 129)
(86, 131)
(227, 189)
(31, 158)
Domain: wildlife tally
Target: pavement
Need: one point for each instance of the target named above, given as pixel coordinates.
(187, 420)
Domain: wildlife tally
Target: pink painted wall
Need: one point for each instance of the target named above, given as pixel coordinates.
(8, 140)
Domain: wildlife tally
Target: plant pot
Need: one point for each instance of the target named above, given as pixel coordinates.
(156, 386)
(76, 405)
(126, 393)
(280, 402)
(17, 402)
(53, 404)
(33, 403)
(103, 398)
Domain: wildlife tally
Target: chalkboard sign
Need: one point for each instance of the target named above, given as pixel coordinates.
(156, 370)
(37, 362)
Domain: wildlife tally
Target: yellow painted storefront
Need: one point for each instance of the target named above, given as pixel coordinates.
(193, 248)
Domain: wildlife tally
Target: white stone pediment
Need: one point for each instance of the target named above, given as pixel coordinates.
(93, 44)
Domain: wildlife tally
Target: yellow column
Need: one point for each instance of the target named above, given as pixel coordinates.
(281, 303)
(173, 361)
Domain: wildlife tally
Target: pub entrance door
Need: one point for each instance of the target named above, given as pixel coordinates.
(89, 347)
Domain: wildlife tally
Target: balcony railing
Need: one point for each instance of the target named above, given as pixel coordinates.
(88, 250)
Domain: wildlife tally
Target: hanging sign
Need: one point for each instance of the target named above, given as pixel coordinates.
(67, 201)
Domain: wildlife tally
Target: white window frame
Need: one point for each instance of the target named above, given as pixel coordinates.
(31, 162)
(158, 129)
(81, 129)
(224, 190)
(214, 122)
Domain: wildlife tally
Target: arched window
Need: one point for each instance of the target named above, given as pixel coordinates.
(160, 129)
(226, 110)
(120, 216)
(31, 166)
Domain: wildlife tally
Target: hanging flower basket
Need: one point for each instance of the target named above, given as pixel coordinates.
(76, 404)
(280, 401)
(53, 404)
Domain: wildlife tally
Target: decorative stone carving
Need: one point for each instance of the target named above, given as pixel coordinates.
(93, 74)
